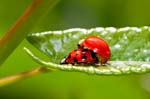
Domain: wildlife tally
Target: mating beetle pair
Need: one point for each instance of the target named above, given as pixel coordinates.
(91, 50)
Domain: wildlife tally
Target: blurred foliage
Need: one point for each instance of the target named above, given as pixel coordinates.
(66, 85)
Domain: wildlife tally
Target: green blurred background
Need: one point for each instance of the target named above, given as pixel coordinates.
(71, 85)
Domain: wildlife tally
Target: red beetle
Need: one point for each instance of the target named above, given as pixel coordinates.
(98, 46)
(80, 56)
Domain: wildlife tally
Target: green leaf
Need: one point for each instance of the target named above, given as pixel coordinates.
(130, 47)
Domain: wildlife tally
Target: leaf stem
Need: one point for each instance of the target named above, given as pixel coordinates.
(13, 78)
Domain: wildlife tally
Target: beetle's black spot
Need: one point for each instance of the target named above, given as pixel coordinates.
(84, 57)
(69, 56)
(75, 60)
(93, 54)
(85, 50)
(78, 45)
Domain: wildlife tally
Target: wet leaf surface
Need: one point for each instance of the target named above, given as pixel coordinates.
(130, 48)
